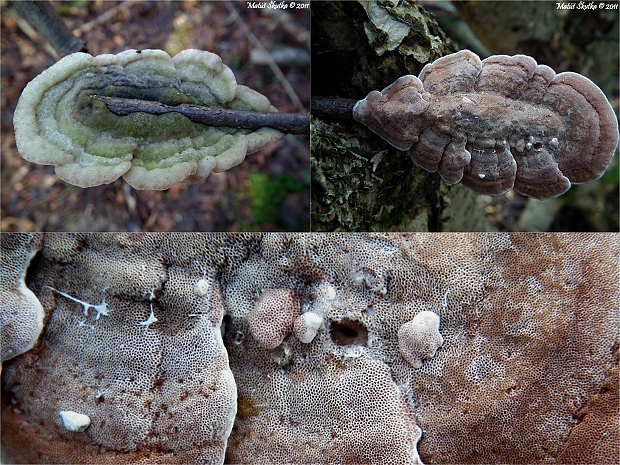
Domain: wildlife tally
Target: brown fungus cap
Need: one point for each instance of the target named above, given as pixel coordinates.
(499, 123)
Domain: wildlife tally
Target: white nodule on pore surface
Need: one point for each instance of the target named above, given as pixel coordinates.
(306, 326)
(554, 143)
(419, 338)
(73, 421)
(202, 287)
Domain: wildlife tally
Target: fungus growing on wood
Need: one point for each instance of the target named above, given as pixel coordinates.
(529, 323)
(499, 123)
(58, 123)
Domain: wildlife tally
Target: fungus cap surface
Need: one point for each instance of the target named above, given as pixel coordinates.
(499, 123)
(57, 123)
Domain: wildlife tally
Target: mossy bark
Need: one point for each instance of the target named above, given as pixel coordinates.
(359, 181)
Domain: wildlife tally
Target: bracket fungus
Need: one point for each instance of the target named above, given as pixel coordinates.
(499, 123)
(58, 123)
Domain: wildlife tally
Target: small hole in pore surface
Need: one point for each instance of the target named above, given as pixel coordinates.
(349, 332)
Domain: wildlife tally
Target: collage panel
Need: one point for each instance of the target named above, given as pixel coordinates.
(309, 348)
(309, 232)
(464, 116)
(183, 116)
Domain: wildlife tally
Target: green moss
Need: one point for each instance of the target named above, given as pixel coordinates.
(267, 196)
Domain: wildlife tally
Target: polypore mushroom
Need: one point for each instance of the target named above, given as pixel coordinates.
(499, 123)
(58, 123)
(530, 325)
(419, 338)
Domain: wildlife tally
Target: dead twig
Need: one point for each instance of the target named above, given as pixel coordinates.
(333, 108)
(289, 123)
(105, 16)
(48, 23)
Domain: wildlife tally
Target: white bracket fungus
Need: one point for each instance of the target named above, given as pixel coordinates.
(58, 123)
(419, 338)
(73, 421)
(306, 326)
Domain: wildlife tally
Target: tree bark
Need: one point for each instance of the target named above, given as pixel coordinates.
(359, 181)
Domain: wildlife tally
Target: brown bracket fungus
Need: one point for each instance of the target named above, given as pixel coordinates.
(58, 123)
(499, 123)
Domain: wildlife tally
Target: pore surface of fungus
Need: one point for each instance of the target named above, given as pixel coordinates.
(21, 317)
(58, 123)
(499, 123)
(272, 319)
(527, 373)
(306, 326)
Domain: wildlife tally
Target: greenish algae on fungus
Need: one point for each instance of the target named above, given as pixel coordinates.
(57, 123)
